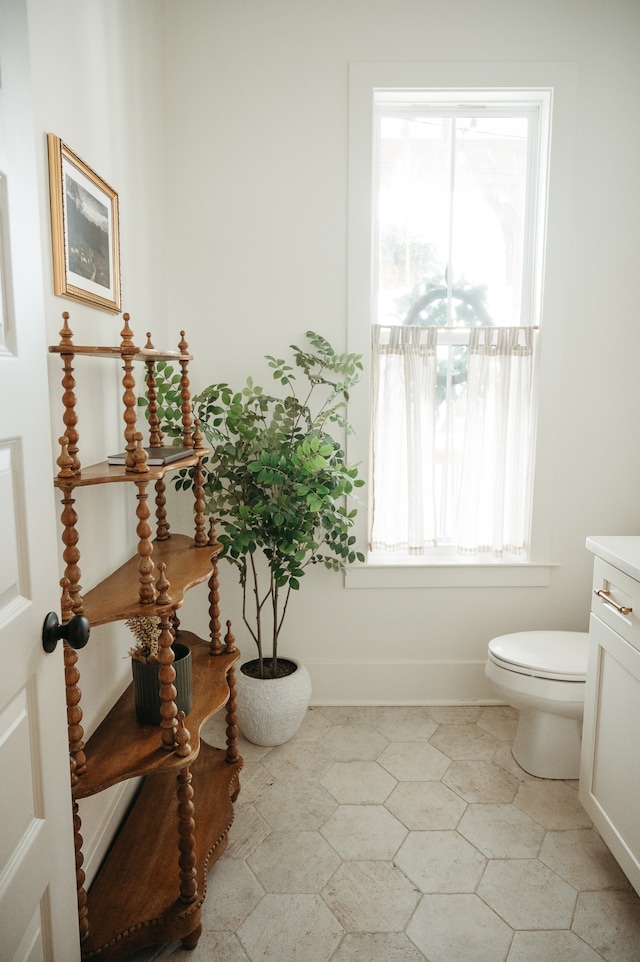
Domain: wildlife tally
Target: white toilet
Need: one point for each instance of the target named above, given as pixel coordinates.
(543, 675)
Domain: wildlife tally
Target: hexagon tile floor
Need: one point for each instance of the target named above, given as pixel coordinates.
(404, 835)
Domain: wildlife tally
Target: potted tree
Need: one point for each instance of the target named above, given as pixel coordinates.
(278, 484)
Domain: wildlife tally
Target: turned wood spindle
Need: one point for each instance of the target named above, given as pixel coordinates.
(74, 711)
(127, 353)
(200, 536)
(215, 644)
(156, 438)
(229, 640)
(162, 523)
(145, 547)
(162, 587)
(70, 555)
(185, 393)
(186, 838)
(183, 746)
(167, 677)
(69, 417)
(83, 912)
(232, 755)
(75, 731)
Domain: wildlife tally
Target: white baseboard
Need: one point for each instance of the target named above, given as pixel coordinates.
(400, 683)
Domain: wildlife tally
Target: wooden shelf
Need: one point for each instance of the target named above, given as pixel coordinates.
(139, 746)
(105, 473)
(136, 353)
(152, 883)
(116, 598)
(136, 892)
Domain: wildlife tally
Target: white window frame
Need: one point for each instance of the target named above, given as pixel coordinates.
(560, 79)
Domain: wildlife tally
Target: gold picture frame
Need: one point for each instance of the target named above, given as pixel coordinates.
(85, 231)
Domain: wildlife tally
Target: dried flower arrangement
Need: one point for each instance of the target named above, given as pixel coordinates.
(146, 631)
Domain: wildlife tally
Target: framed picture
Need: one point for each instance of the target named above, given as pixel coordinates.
(85, 231)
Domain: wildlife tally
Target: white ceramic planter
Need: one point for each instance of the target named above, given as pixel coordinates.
(270, 710)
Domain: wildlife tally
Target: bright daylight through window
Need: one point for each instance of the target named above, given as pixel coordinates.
(459, 200)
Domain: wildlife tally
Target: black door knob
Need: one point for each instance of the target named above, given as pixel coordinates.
(75, 632)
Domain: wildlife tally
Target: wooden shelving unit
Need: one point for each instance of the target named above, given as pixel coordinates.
(152, 884)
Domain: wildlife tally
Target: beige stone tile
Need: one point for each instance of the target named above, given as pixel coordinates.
(214, 729)
(414, 761)
(346, 743)
(254, 781)
(234, 892)
(610, 923)
(358, 783)
(501, 831)
(364, 832)
(503, 756)
(295, 759)
(481, 781)
(295, 928)
(249, 829)
(440, 862)
(370, 897)
(284, 801)
(376, 947)
(296, 806)
(527, 895)
(500, 721)
(459, 928)
(464, 742)
(583, 860)
(350, 714)
(405, 724)
(454, 714)
(314, 727)
(558, 946)
(221, 946)
(425, 805)
(552, 803)
(294, 862)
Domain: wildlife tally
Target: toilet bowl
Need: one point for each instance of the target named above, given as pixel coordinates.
(543, 675)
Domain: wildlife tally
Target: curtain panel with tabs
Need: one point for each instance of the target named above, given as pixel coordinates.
(451, 439)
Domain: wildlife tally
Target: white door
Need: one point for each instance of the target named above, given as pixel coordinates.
(38, 914)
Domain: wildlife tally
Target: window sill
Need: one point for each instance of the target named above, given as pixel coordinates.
(412, 572)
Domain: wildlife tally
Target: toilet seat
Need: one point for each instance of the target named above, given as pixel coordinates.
(554, 655)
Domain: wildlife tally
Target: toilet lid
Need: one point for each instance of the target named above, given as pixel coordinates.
(560, 655)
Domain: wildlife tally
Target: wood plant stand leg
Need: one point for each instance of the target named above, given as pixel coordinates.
(166, 677)
(146, 566)
(186, 840)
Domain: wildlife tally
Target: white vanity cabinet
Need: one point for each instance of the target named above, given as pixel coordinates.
(610, 763)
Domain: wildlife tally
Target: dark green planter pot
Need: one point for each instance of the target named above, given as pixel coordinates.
(146, 687)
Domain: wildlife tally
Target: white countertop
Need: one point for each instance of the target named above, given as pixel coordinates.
(622, 551)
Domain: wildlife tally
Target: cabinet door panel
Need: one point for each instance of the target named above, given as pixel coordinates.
(610, 775)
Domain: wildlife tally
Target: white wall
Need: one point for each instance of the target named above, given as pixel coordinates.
(256, 107)
(97, 84)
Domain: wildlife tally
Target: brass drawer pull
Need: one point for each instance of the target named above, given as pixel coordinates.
(606, 596)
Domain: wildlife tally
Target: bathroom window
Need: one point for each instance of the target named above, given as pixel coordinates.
(457, 227)
(450, 176)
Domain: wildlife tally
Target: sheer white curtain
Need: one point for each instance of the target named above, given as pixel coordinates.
(492, 500)
(404, 405)
(495, 482)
